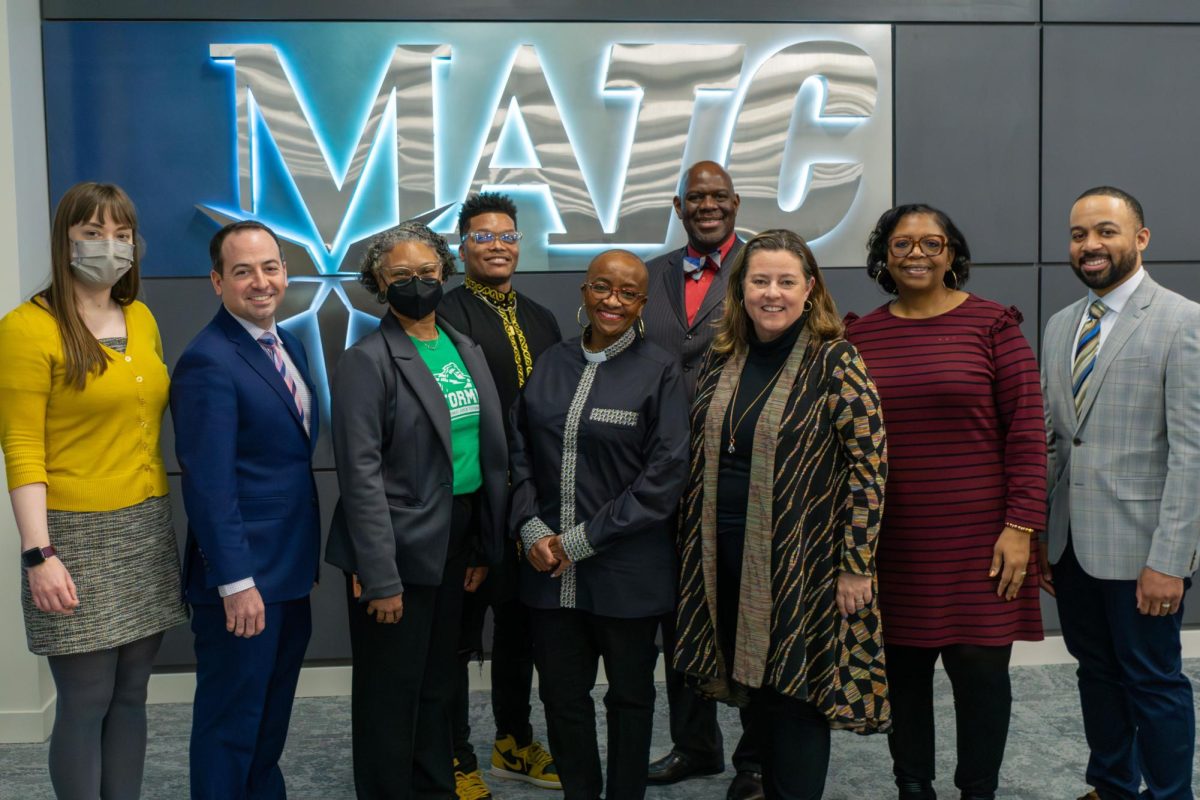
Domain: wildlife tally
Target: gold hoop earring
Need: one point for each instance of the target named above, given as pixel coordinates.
(808, 305)
(950, 273)
(578, 313)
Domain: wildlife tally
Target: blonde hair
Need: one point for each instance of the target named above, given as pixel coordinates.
(82, 354)
(823, 322)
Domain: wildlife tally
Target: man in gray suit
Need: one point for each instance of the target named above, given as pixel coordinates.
(1121, 378)
(686, 296)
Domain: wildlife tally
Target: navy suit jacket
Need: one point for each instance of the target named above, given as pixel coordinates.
(247, 466)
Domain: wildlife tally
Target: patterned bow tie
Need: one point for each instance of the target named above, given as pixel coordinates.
(694, 267)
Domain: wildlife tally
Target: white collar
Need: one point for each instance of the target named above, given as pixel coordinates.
(256, 332)
(612, 351)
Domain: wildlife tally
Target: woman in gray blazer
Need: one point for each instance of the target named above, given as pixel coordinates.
(418, 438)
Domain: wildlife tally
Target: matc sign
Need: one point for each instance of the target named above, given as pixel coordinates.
(589, 125)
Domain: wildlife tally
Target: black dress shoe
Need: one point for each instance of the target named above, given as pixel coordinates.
(746, 785)
(675, 767)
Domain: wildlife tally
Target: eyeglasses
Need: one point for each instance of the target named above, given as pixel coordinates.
(487, 237)
(426, 273)
(931, 245)
(602, 291)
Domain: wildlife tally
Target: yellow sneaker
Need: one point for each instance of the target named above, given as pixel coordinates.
(470, 785)
(531, 763)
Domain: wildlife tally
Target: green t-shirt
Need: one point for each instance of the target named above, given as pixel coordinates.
(463, 401)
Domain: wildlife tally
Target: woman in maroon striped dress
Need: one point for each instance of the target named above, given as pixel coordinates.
(960, 392)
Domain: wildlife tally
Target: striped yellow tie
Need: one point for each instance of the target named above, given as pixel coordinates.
(1085, 352)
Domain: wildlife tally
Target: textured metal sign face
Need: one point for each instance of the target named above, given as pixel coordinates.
(331, 132)
(590, 125)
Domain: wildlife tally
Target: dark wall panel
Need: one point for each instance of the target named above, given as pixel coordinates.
(1127, 118)
(1120, 11)
(967, 132)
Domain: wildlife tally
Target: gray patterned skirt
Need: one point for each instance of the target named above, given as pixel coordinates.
(126, 571)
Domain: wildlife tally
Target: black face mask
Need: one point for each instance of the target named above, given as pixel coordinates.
(415, 298)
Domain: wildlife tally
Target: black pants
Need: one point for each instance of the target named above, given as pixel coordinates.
(512, 681)
(403, 684)
(789, 737)
(792, 737)
(567, 647)
(694, 729)
(982, 703)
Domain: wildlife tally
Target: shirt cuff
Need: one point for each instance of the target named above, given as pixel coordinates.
(533, 531)
(576, 545)
(227, 589)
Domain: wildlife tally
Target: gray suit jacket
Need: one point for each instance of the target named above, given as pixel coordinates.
(391, 443)
(1123, 476)
(666, 318)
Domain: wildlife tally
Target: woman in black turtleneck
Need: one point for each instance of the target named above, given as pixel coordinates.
(776, 607)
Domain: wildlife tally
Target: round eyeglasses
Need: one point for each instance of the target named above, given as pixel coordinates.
(602, 291)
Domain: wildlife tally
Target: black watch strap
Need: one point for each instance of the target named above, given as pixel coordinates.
(36, 555)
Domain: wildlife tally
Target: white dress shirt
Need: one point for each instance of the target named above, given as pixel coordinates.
(1114, 302)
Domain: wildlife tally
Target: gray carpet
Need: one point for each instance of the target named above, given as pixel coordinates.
(1045, 759)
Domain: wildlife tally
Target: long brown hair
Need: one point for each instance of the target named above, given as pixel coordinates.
(733, 329)
(82, 354)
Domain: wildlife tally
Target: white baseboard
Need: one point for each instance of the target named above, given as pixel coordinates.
(32, 725)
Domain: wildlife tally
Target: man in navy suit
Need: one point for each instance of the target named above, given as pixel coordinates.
(245, 418)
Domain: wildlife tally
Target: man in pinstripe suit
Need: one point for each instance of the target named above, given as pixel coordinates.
(1121, 378)
(686, 296)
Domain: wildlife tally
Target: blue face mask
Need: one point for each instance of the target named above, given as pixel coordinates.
(101, 262)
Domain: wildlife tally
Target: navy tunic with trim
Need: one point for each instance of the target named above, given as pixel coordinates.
(599, 454)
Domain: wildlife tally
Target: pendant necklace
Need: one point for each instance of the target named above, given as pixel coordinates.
(733, 426)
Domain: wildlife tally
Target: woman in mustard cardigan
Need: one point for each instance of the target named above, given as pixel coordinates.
(82, 392)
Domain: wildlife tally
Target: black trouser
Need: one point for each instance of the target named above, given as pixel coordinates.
(567, 647)
(982, 703)
(793, 738)
(512, 681)
(694, 729)
(403, 683)
(789, 736)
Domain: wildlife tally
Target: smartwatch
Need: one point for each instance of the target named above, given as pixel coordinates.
(36, 555)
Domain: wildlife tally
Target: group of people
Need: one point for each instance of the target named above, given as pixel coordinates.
(810, 510)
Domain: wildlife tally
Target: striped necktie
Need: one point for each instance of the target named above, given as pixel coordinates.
(269, 344)
(1085, 352)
